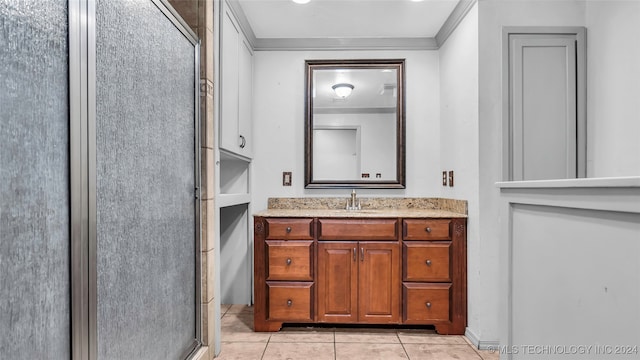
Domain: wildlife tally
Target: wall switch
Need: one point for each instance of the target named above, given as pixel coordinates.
(450, 178)
(444, 178)
(286, 178)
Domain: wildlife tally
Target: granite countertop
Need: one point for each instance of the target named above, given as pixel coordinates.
(365, 213)
(371, 208)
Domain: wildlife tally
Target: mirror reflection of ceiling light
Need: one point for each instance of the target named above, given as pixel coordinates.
(343, 89)
(301, 1)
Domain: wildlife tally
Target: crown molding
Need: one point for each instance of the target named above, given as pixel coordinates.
(243, 22)
(310, 44)
(454, 19)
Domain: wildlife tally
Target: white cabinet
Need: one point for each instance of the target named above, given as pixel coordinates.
(233, 155)
(236, 89)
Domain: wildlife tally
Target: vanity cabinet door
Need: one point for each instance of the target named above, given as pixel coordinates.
(379, 285)
(337, 280)
(359, 282)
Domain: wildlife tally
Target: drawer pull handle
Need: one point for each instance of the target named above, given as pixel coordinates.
(288, 261)
(354, 254)
(288, 229)
(428, 262)
(428, 229)
(361, 254)
(428, 305)
(289, 303)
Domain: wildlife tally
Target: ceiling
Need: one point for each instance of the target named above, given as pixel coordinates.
(346, 18)
(408, 23)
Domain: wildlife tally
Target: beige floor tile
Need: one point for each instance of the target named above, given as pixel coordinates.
(239, 327)
(241, 351)
(299, 351)
(489, 354)
(367, 336)
(302, 336)
(240, 309)
(441, 352)
(224, 308)
(362, 351)
(426, 337)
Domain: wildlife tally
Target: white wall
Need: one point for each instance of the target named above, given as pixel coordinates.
(459, 152)
(279, 123)
(492, 16)
(613, 91)
(376, 157)
(569, 254)
(613, 147)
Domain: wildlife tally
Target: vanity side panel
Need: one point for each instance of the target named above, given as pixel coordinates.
(459, 274)
(260, 310)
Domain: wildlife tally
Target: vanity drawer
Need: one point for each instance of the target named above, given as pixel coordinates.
(289, 260)
(357, 229)
(426, 303)
(426, 229)
(285, 229)
(426, 261)
(290, 301)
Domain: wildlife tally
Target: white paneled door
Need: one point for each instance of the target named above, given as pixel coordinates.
(544, 103)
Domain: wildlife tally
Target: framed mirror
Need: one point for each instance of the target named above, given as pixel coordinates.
(355, 118)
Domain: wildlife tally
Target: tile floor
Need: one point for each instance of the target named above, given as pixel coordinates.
(318, 343)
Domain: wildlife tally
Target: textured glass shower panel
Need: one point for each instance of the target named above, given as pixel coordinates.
(145, 183)
(34, 180)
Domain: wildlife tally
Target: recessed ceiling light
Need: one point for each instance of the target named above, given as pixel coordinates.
(300, 1)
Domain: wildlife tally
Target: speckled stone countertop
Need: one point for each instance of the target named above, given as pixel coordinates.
(371, 207)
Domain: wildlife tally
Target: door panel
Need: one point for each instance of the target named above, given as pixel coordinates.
(146, 216)
(337, 281)
(35, 312)
(229, 73)
(543, 106)
(379, 282)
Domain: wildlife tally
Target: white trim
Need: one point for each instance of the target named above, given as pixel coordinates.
(312, 44)
(243, 22)
(454, 19)
(617, 182)
(481, 344)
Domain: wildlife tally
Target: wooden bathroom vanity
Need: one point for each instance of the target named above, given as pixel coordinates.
(404, 267)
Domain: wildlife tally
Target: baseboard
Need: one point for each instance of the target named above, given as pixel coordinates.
(480, 344)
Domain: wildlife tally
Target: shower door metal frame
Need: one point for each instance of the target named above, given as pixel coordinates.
(83, 192)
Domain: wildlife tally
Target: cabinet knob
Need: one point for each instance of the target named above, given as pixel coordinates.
(288, 229)
(428, 262)
(428, 305)
(289, 303)
(288, 261)
(428, 229)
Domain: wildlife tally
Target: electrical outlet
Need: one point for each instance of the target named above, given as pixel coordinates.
(450, 178)
(286, 178)
(444, 178)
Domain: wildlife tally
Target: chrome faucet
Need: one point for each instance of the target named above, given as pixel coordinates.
(353, 203)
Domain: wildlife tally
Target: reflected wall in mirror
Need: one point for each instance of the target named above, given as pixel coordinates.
(355, 124)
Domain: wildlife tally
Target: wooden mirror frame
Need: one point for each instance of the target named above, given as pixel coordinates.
(396, 64)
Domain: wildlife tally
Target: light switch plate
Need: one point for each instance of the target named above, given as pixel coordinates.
(450, 178)
(444, 178)
(286, 178)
